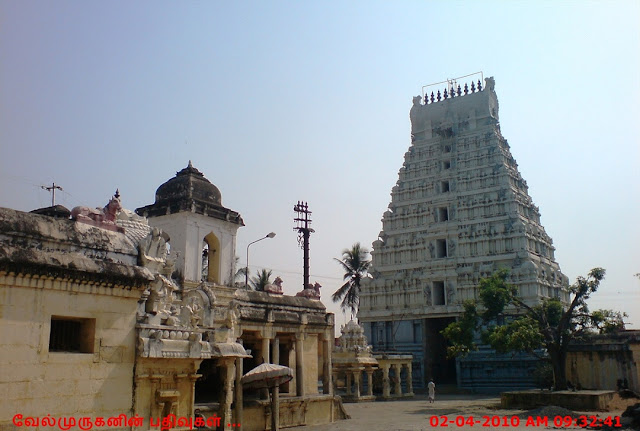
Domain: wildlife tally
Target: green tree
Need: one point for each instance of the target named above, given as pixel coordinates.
(550, 325)
(355, 263)
(261, 280)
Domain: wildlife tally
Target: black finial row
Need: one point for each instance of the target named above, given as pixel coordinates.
(452, 92)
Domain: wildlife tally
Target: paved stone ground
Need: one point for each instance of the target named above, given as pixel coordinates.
(415, 414)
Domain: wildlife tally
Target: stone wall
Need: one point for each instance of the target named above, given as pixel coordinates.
(601, 361)
(580, 401)
(35, 381)
(68, 300)
(486, 371)
(294, 411)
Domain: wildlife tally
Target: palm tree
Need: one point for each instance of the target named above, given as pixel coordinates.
(355, 263)
(240, 272)
(261, 280)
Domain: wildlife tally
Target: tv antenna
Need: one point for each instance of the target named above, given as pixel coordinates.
(52, 188)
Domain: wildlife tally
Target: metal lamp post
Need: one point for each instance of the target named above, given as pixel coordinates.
(246, 272)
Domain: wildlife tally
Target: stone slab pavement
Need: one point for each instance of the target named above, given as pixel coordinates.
(417, 413)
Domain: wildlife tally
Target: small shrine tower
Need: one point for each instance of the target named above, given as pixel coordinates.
(189, 209)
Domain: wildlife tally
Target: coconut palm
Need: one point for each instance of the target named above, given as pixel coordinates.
(355, 263)
(240, 272)
(261, 280)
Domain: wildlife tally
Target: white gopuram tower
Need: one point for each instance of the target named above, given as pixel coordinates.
(459, 211)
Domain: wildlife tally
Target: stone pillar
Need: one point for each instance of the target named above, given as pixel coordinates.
(327, 387)
(229, 374)
(348, 382)
(410, 379)
(192, 391)
(275, 350)
(183, 380)
(397, 380)
(291, 356)
(369, 381)
(357, 374)
(264, 352)
(334, 377)
(300, 365)
(238, 400)
(155, 408)
(386, 389)
(275, 408)
(275, 394)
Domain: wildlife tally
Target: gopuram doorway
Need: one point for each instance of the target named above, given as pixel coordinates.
(436, 363)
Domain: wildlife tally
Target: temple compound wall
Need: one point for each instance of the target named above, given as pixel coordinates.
(459, 211)
(610, 361)
(105, 319)
(68, 318)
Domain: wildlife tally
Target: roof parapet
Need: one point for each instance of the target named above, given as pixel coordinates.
(452, 89)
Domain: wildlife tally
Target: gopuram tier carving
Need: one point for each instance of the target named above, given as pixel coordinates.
(459, 211)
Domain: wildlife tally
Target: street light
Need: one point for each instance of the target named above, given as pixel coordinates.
(246, 272)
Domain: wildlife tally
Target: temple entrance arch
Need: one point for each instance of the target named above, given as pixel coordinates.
(211, 258)
(436, 363)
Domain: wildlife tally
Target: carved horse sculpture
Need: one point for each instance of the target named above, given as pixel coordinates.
(105, 217)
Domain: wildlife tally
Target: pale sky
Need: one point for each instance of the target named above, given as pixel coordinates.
(279, 101)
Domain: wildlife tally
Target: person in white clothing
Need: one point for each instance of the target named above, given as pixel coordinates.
(432, 391)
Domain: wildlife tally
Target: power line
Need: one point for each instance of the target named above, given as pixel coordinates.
(284, 271)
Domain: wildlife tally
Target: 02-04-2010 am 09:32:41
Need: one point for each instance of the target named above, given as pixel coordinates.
(583, 421)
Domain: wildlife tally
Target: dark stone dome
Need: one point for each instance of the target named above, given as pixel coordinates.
(189, 191)
(189, 184)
